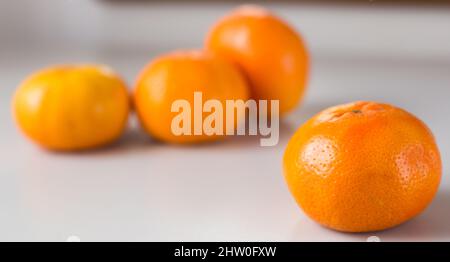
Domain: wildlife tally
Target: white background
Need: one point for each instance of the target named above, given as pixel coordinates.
(230, 191)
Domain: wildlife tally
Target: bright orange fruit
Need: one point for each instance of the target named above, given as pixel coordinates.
(271, 54)
(72, 107)
(177, 76)
(362, 166)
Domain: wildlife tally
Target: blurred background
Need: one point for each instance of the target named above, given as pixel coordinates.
(390, 51)
(372, 29)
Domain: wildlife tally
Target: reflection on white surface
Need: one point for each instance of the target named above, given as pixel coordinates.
(140, 189)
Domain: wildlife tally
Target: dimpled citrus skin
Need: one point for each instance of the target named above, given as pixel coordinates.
(176, 76)
(271, 54)
(362, 167)
(72, 107)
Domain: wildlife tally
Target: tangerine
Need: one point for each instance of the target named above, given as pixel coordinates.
(362, 166)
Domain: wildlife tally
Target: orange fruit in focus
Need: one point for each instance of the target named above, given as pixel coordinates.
(270, 53)
(72, 107)
(362, 166)
(177, 76)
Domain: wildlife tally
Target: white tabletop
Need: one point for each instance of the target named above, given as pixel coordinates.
(229, 191)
